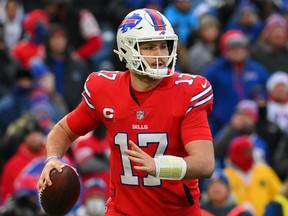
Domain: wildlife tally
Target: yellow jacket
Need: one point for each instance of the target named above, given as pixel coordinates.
(284, 203)
(258, 187)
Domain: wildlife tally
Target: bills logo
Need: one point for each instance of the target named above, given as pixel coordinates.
(130, 22)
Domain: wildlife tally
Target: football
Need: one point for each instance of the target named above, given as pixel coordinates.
(59, 198)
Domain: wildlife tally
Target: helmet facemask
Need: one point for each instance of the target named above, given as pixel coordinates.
(141, 66)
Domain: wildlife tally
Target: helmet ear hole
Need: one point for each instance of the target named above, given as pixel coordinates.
(123, 50)
(170, 44)
(124, 61)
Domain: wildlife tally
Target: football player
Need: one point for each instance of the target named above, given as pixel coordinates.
(156, 119)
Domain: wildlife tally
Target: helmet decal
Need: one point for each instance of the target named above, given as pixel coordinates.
(130, 22)
(158, 22)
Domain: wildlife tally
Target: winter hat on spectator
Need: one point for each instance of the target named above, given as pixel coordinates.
(95, 186)
(233, 38)
(276, 78)
(56, 29)
(248, 6)
(240, 152)
(207, 21)
(274, 21)
(33, 18)
(248, 107)
(205, 9)
(25, 185)
(23, 73)
(218, 175)
(32, 125)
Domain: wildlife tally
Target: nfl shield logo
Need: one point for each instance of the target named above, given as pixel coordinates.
(140, 115)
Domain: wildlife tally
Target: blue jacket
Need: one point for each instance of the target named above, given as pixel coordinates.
(231, 86)
(182, 22)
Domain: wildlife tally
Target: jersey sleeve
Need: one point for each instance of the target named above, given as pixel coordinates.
(195, 125)
(85, 117)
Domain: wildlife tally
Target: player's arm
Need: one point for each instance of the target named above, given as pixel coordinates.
(196, 133)
(200, 162)
(58, 141)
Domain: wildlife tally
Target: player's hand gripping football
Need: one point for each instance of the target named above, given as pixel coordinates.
(44, 179)
(146, 163)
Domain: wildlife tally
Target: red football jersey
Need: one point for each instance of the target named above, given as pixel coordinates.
(167, 118)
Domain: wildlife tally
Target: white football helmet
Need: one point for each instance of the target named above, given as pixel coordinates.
(144, 25)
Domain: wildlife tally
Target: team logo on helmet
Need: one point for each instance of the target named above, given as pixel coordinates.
(130, 22)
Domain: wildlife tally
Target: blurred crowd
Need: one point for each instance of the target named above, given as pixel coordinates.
(49, 47)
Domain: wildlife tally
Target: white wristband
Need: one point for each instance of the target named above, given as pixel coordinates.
(53, 156)
(170, 167)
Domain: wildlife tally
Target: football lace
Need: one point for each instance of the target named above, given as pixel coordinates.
(40, 193)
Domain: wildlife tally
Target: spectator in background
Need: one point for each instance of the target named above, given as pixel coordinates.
(12, 138)
(280, 158)
(35, 25)
(125, 6)
(266, 129)
(224, 9)
(11, 17)
(23, 203)
(247, 20)
(220, 201)
(30, 5)
(267, 7)
(181, 15)
(97, 7)
(94, 198)
(271, 49)
(279, 206)
(243, 122)
(277, 105)
(45, 79)
(81, 26)
(91, 155)
(32, 146)
(25, 199)
(118, 9)
(31, 51)
(27, 97)
(205, 49)
(8, 67)
(255, 183)
(70, 73)
(233, 76)
(284, 11)
(277, 112)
